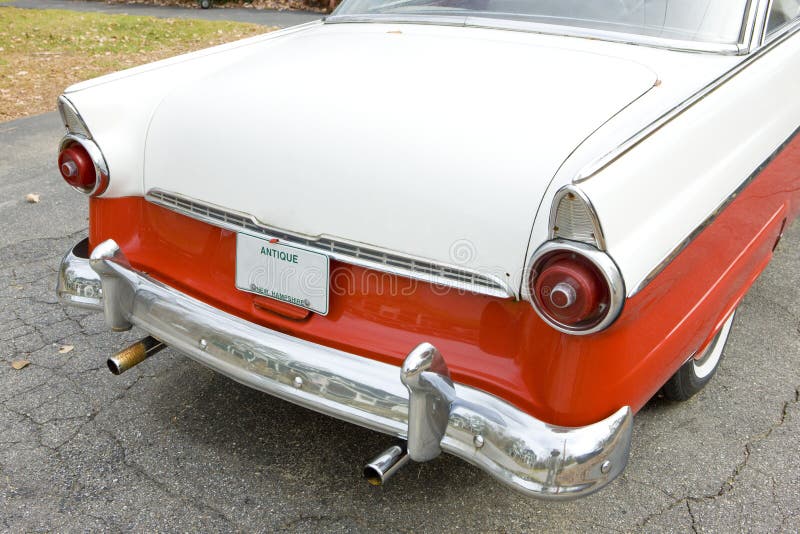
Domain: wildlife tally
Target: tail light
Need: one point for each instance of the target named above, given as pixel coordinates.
(574, 287)
(82, 165)
(80, 160)
(77, 168)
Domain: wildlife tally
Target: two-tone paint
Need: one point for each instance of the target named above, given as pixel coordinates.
(689, 159)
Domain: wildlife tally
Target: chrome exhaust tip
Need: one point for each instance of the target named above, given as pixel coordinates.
(380, 469)
(134, 355)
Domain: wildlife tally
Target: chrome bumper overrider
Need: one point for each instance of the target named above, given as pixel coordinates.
(418, 402)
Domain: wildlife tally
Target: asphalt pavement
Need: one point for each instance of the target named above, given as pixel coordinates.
(266, 17)
(172, 446)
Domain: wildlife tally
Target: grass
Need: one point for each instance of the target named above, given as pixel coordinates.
(44, 51)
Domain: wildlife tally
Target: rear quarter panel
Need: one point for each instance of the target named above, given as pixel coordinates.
(656, 196)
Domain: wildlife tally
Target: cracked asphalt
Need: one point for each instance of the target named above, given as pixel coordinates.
(171, 446)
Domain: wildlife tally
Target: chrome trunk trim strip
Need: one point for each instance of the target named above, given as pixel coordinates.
(352, 253)
(517, 449)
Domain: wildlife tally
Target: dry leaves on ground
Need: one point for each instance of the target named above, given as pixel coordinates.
(316, 6)
(20, 364)
(45, 51)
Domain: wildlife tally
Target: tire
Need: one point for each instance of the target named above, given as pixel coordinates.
(205, 4)
(697, 372)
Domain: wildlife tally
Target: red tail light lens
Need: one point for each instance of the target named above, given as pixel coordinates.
(570, 289)
(576, 288)
(77, 167)
(82, 165)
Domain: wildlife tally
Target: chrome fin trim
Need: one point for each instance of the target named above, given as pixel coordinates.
(72, 119)
(78, 133)
(530, 456)
(347, 252)
(594, 167)
(573, 217)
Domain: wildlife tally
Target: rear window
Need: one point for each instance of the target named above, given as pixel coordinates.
(712, 21)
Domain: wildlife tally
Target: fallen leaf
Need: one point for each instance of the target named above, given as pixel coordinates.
(20, 364)
(32, 198)
(65, 349)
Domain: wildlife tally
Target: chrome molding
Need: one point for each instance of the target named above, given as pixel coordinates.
(517, 449)
(77, 284)
(601, 163)
(431, 395)
(597, 236)
(710, 219)
(78, 132)
(750, 37)
(541, 28)
(601, 260)
(352, 253)
(72, 119)
(759, 25)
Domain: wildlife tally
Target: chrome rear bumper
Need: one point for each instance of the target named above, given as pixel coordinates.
(417, 402)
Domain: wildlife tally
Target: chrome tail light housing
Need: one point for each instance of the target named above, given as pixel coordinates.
(574, 287)
(80, 161)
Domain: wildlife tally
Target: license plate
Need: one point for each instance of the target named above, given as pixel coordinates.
(282, 272)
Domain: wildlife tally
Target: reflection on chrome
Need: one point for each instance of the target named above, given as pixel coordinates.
(78, 285)
(529, 455)
(386, 464)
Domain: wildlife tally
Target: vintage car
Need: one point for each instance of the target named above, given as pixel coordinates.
(493, 228)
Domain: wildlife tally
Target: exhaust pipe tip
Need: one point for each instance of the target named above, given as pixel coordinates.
(373, 476)
(386, 464)
(113, 366)
(134, 355)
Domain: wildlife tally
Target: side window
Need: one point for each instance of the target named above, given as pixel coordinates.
(782, 12)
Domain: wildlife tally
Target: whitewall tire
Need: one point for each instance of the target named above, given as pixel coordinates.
(698, 370)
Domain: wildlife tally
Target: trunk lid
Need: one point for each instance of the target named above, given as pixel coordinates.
(430, 141)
